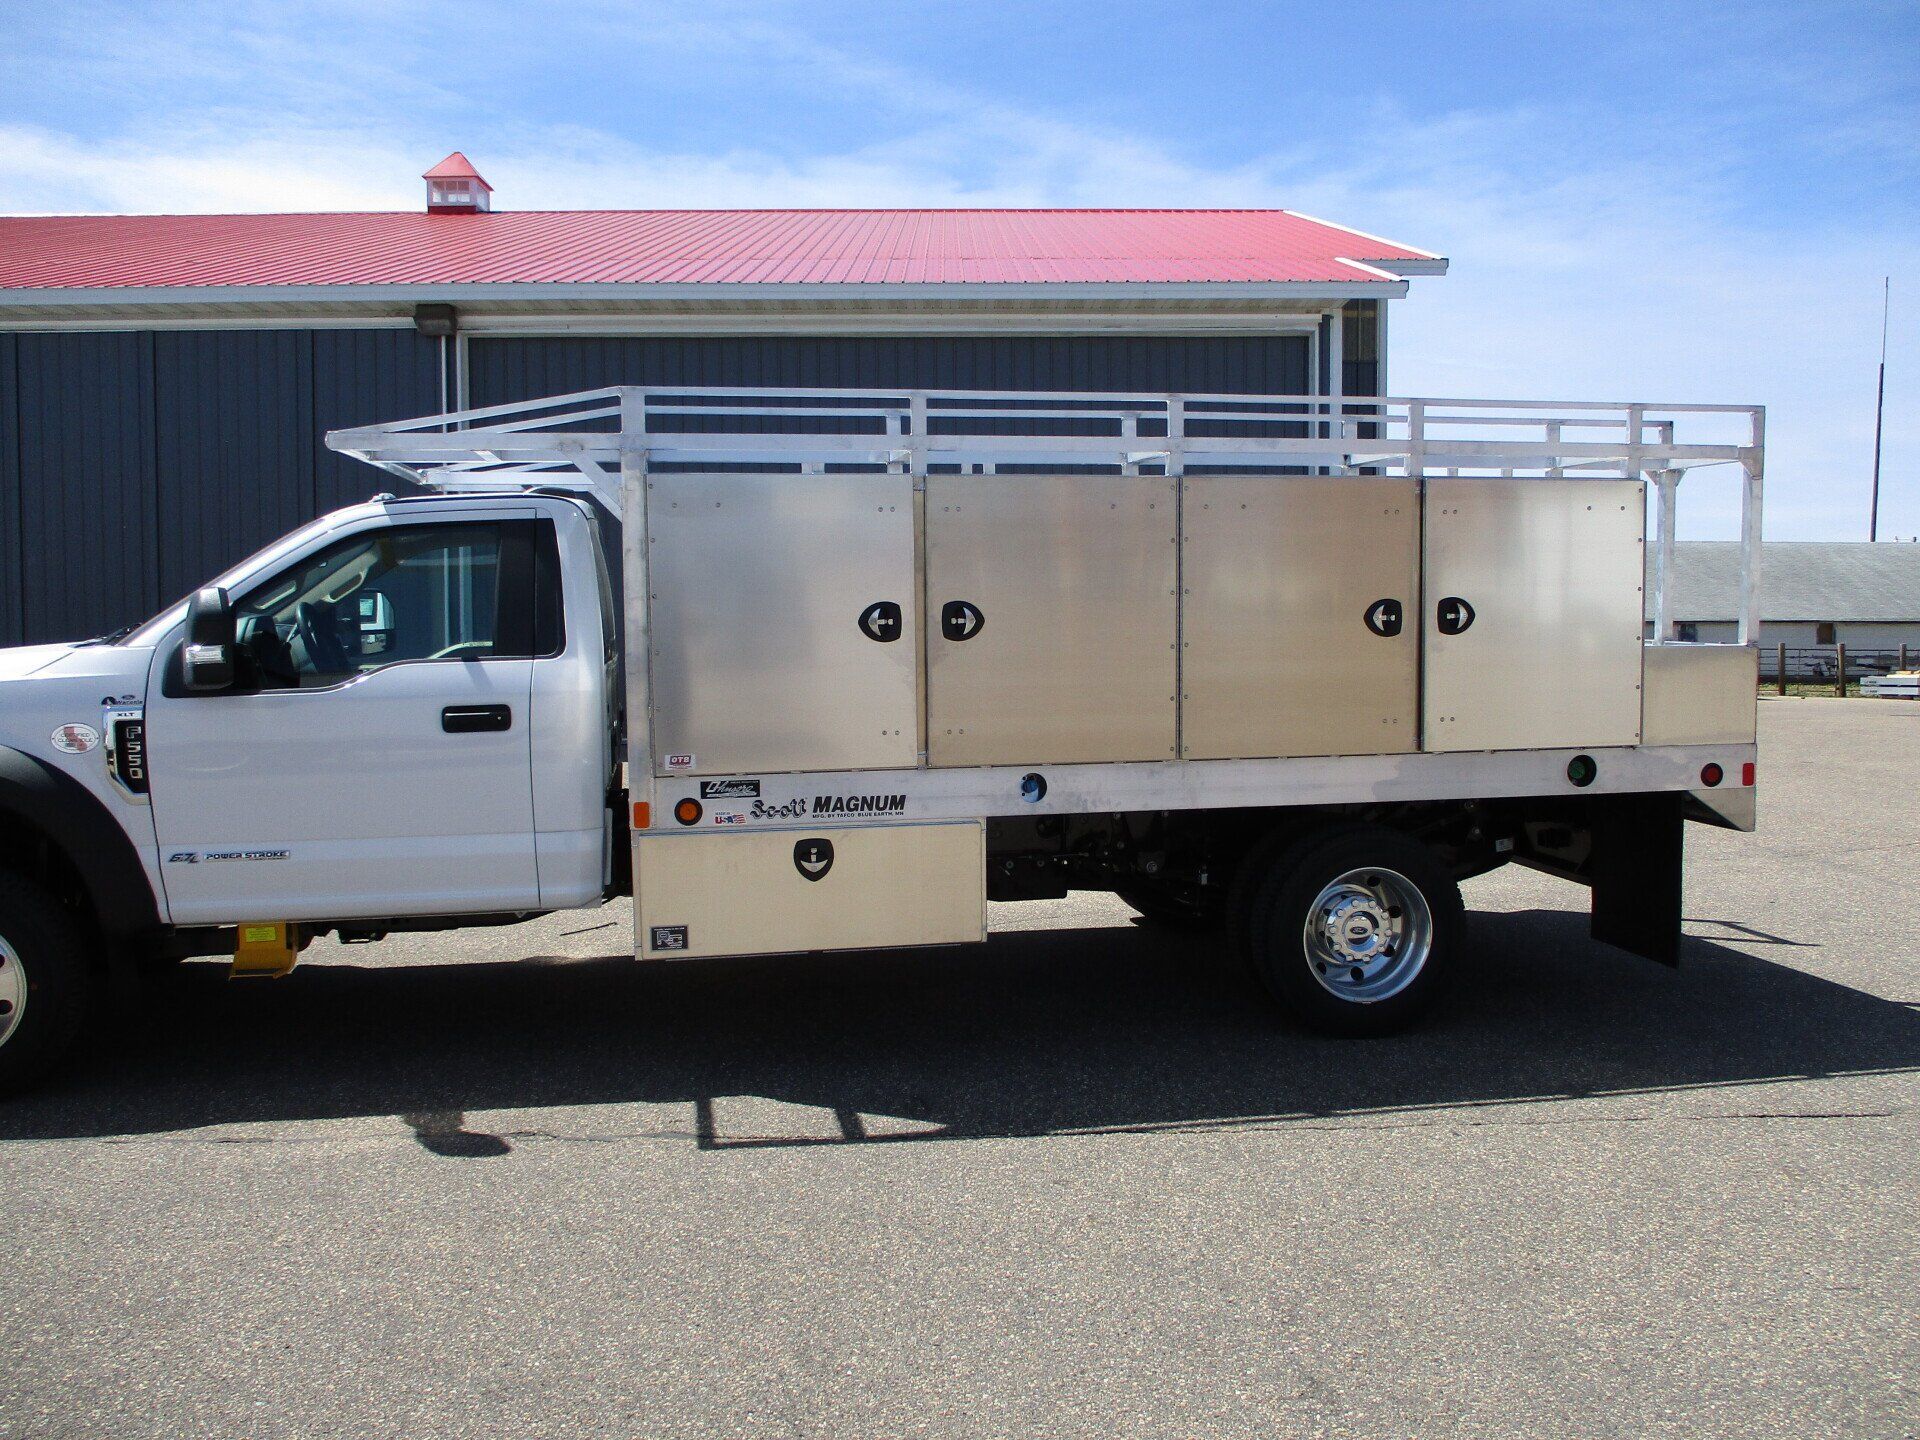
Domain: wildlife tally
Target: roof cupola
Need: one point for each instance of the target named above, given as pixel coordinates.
(454, 187)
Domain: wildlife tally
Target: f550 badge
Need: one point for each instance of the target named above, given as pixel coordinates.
(127, 751)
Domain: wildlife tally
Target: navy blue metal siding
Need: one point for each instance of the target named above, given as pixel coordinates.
(87, 502)
(141, 464)
(366, 377)
(1360, 350)
(503, 369)
(234, 436)
(12, 624)
(134, 466)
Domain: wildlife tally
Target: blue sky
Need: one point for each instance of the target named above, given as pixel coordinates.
(1684, 202)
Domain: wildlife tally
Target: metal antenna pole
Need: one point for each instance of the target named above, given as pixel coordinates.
(1880, 407)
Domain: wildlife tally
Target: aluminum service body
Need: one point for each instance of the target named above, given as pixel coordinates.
(1096, 630)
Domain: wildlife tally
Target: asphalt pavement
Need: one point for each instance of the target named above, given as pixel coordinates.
(1076, 1183)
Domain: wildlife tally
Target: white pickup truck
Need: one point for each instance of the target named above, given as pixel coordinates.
(1291, 668)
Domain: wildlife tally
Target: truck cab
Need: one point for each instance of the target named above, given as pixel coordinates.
(404, 710)
(417, 720)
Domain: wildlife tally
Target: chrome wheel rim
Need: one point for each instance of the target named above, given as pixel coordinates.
(13, 990)
(1368, 935)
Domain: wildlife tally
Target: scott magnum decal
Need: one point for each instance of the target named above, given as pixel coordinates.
(859, 804)
(813, 858)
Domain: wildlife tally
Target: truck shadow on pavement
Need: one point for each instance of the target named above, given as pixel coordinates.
(1043, 1032)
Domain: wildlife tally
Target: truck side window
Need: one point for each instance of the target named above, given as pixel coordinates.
(549, 610)
(425, 592)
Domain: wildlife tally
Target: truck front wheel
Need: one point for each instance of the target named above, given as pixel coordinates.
(1354, 931)
(45, 984)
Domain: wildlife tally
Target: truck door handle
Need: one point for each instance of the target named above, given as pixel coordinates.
(961, 620)
(470, 719)
(1384, 617)
(1453, 616)
(881, 621)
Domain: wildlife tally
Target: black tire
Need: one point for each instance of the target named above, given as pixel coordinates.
(1170, 908)
(52, 993)
(1253, 869)
(1285, 901)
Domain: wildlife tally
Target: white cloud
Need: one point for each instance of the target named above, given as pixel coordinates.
(43, 173)
(1574, 275)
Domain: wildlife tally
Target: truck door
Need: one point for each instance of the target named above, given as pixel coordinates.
(373, 755)
(1533, 613)
(1050, 618)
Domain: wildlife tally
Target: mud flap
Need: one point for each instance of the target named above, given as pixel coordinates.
(1636, 869)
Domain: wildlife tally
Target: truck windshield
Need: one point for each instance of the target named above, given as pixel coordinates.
(151, 632)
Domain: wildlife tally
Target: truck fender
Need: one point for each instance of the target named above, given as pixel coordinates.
(76, 822)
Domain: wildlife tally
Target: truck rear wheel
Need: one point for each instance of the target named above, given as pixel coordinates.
(1354, 931)
(45, 985)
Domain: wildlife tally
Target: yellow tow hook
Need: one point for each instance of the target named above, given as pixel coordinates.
(267, 950)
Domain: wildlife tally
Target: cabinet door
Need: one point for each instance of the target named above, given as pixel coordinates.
(1533, 613)
(773, 892)
(1298, 625)
(1050, 618)
(785, 628)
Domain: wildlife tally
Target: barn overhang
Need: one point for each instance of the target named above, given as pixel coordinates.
(804, 308)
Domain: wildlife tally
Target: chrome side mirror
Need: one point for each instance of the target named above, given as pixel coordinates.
(206, 660)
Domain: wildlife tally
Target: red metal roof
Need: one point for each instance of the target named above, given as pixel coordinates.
(665, 247)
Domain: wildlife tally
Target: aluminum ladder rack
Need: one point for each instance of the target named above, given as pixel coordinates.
(599, 440)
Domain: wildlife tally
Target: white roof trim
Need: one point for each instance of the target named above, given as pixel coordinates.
(1428, 264)
(1386, 286)
(903, 320)
(1370, 269)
